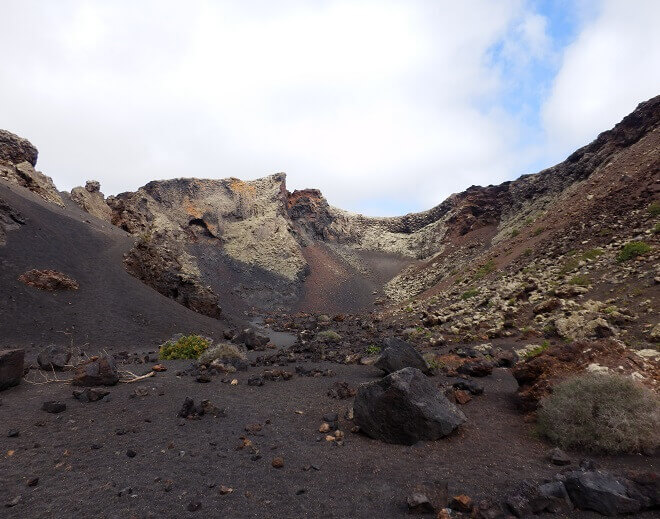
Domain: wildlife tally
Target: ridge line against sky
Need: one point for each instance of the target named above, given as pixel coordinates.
(387, 107)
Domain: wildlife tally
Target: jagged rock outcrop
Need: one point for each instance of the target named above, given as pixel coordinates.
(17, 160)
(90, 199)
(173, 273)
(15, 149)
(9, 220)
(25, 175)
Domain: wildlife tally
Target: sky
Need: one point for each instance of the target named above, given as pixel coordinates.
(386, 106)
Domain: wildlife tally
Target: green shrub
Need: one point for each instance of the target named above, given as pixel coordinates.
(538, 231)
(632, 250)
(469, 293)
(514, 233)
(186, 347)
(599, 412)
(227, 351)
(579, 280)
(654, 208)
(592, 254)
(485, 269)
(536, 351)
(656, 228)
(569, 265)
(373, 349)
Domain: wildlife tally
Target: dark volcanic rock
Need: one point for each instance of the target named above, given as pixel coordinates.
(15, 149)
(90, 394)
(601, 492)
(399, 354)
(53, 406)
(163, 268)
(11, 368)
(251, 339)
(97, 371)
(476, 368)
(405, 407)
(53, 357)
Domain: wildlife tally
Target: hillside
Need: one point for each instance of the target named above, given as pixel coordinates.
(336, 365)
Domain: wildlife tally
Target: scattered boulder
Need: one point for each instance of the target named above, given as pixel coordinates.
(476, 368)
(419, 504)
(90, 394)
(471, 386)
(97, 371)
(341, 390)
(53, 406)
(398, 354)
(191, 411)
(547, 306)
(251, 339)
(461, 503)
(50, 280)
(602, 492)
(405, 407)
(558, 457)
(11, 368)
(54, 357)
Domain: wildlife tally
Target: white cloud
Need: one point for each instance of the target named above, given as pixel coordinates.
(370, 101)
(613, 65)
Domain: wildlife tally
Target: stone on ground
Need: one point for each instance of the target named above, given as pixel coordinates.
(405, 407)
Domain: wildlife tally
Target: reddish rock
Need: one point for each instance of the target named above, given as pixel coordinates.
(461, 503)
(462, 397)
(50, 280)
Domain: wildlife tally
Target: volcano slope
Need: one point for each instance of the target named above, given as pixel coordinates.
(476, 284)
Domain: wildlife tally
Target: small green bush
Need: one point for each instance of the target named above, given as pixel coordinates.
(469, 293)
(535, 352)
(186, 347)
(656, 228)
(227, 351)
(632, 250)
(514, 233)
(654, 208)
(538, 231)
(592, 254)
(485, 269)
(579, 280)
(373, 349)
(569, 265)
(600, 412)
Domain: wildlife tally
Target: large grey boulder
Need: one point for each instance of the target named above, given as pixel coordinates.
(405, 407)
(602, 492)
(399, 354)
(11, 368)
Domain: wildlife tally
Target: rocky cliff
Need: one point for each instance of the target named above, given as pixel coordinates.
(254, 243)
